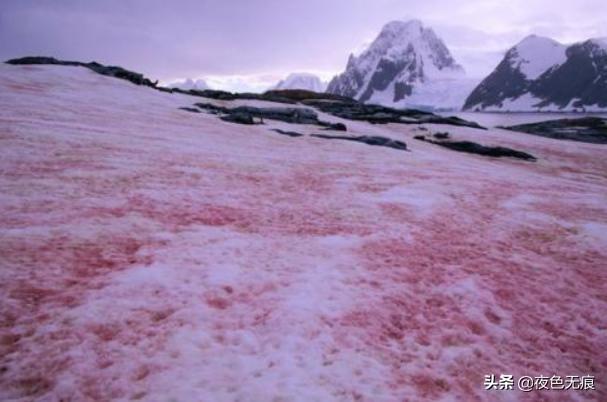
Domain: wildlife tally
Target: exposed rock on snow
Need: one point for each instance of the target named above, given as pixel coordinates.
(474, 148)
(382, 114)
(369, 140)
(540, 74)
(287, 133)
(585, 129)
(112, 71)
(189, 109)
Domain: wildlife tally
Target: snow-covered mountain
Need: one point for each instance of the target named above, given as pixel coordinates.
(189, 83)
(540, 74)
(406, 65)
(305, 81)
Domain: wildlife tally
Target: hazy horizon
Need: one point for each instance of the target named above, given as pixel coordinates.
(250, 45)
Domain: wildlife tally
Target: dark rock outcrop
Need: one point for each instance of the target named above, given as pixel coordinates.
(287, 114)
(369, 140)
(474, 148)
(287, 133)
(239, 117)
(333, 126)
(586, 129)
(211, 108)
(190, 109)
(299, 95)
(377, 114)
(111, 71)
(247, 114)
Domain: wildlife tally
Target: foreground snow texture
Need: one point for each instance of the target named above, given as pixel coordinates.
(154, 254)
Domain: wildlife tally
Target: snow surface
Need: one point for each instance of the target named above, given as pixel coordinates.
(536, 54)
(305, 81)
(149, 253)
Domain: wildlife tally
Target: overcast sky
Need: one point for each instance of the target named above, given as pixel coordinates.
(250, 44)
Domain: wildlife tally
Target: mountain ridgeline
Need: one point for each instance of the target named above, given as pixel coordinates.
(540, 74)
(406, 65)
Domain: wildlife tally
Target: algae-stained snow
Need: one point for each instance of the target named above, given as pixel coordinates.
(149, 253)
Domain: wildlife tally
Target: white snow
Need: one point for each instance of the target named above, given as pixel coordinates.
(150, 253)
(537, 54)
(305, 81)
(434, 94)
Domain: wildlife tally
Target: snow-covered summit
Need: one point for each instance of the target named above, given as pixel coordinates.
(535, 54)
(189, 83)
(405, 57)
(541, 74)
(398, 40)
(305, 81)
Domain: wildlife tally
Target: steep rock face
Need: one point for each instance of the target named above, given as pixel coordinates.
(406, 65)
(306, 81)
(540, 74)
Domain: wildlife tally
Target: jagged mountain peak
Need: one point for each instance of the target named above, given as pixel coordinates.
(404, 56)
(400, 39)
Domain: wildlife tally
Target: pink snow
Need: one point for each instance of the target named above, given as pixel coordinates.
(149, 253)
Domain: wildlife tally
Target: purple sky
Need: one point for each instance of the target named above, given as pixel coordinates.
(250, 44)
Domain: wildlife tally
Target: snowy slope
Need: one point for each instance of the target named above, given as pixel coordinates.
(407, 64)
(540, 74)
(305, 81)
(535, 55)
(150, 253)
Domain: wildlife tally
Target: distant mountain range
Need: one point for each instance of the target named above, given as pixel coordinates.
(407, 65)
(307, 81)
(189, 83)
(540, 74)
